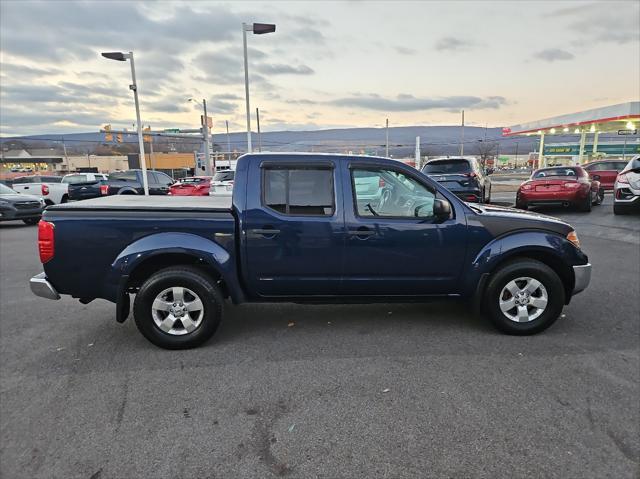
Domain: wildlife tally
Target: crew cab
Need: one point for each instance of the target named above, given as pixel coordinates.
(48, 187)
(298, 228)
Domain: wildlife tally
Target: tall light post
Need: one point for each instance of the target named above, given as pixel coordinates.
(121, 57)
(257, 29)
(205, 132)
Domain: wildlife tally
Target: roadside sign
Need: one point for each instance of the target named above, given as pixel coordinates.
(627, 132)
(209, 121)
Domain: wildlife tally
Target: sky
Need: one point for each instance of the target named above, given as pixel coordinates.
(328, 65)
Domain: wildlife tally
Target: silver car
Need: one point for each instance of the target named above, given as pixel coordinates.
(626, 191)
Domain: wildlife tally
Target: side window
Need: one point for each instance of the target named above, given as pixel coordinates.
(391, 194)
(299, 191)
(164, 179)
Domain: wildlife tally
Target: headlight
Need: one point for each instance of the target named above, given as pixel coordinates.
(573, 237)
(3, 202)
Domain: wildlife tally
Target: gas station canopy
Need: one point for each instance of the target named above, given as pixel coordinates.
(623, 119)
(625, 116)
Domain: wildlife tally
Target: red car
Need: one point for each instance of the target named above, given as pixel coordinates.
(559, 186)
(191, 186)
(605, 171)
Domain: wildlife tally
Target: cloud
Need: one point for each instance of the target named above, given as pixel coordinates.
(404, 50)
(601, 22)
(283, 69)
(453, 44)
(406, 102)
(553, 54)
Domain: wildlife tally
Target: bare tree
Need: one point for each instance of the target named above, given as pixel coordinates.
(486, 150)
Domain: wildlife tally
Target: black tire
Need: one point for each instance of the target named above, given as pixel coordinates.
(522, 206)
(619, 209)
(489, 197)
(64, 199)
(186, 277)
(586, 204)
(31, 221)
(521, 268)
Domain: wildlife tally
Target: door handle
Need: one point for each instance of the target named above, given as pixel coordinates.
(362, 233)
(266, 232)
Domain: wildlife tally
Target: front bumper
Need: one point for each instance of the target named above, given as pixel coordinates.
(582, 275)
(15, 214)
(40, 286)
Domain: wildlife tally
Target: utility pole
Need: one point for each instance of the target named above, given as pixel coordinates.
(417, 152)
(66, 158)
(386, 150)
(462, 136)
(246, 83)
(258, 124)
(228, 143)
(205, 130)
(151, 152)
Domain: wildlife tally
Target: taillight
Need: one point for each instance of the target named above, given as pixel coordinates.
(104, 189)
(381, 183)
(44, 189)
(45, 240)
(622, 178)
(571, 186)
(526, 186)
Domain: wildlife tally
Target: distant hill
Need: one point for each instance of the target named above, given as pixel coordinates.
(434, 140)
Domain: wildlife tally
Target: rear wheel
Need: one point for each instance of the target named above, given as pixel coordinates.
(524, 297)
(178, 308)
(586, 204)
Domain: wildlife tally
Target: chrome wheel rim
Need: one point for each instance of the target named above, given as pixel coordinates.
(523, 299)
(177, 311)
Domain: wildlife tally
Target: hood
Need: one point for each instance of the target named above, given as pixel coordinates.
(501, 219)
(13, 198)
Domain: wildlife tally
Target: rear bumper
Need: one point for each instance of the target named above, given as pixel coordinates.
(40, 286)
(582, 275)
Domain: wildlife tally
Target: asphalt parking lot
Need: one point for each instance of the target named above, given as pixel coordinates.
(409, 390)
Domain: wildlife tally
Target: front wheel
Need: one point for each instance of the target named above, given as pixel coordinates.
(524, 297)
(178, 308)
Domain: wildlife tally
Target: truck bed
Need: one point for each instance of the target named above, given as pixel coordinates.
(149, 203)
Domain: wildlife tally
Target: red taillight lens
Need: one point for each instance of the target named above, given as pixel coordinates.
(104, 189)
(571, 186)
(527, 186)
(45, 240)
(45, 190)
(381, 183)
(622, 178)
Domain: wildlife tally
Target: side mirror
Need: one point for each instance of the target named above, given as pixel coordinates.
(442, 209)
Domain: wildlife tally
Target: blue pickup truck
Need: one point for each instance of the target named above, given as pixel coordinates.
(307, 228)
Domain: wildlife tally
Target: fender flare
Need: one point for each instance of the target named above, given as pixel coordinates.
(155, 245)
(522, 243)
(127, 190)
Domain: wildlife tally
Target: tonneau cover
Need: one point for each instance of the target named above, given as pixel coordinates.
(149, 203)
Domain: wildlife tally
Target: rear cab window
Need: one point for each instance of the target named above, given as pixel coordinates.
(123, 176)
(448, 167)
(299, 190)
(224, 176)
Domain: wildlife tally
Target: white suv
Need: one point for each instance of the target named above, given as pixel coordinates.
(626, 191)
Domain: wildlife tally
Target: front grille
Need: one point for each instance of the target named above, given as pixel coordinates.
(27, 205)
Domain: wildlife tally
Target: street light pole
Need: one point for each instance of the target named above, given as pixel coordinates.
(143, 163)
(228, 144)
(207, 151)
(257, 29)
(246, 27)
(386, 149)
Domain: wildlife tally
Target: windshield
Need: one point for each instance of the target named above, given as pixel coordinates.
(5, 190)
(570, 172)
(224, 176)
(447, 167)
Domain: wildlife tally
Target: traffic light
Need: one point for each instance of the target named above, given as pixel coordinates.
(108, 136)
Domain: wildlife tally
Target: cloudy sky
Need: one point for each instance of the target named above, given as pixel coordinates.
(330, 64)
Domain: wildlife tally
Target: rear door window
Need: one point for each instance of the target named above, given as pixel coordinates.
(299, 191)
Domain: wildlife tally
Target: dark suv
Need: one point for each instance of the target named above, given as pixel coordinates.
(462, 176)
